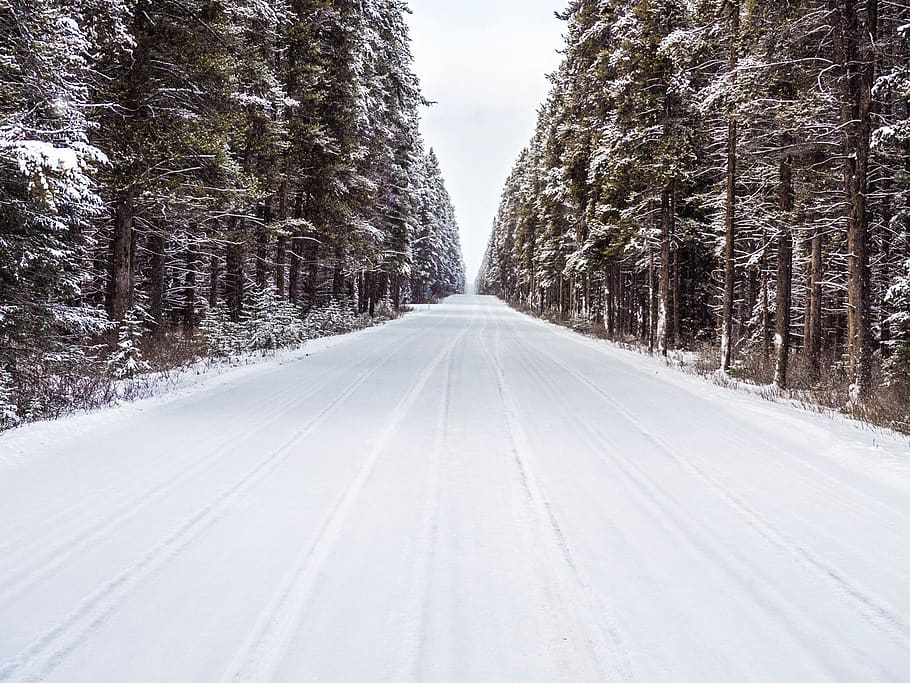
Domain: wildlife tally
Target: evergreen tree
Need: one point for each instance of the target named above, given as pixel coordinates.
(167, 164)
(726, 173)
(47, 195)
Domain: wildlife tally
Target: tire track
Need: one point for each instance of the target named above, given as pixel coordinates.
(51, 649)
(418, 602)
(816, 478)
(34, 570)
(571, 582)
(260, 656)
(34, 535)
(675, 519)
(794, 455)
(875, 611)
(38, 568)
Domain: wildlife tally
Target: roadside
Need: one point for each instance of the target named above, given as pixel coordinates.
(887, 411)
(176, 375)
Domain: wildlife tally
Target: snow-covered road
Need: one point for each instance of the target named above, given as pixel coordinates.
(461, 495)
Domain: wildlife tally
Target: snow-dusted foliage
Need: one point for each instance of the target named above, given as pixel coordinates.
(232, 165)
(9, 412)
(336, 317)
(125, 361)
(898, 297)
(269, 323)
(716, 171)
(47, 195)
(438, 266)
(222, 335)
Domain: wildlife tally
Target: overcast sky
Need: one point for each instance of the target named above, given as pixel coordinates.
(485, 63)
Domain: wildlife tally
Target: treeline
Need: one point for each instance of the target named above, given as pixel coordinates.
(725, 175)
(161, 161)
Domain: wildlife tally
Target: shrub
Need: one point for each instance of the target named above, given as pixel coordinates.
(125, 362)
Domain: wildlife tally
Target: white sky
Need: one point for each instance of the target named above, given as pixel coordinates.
(485, 63)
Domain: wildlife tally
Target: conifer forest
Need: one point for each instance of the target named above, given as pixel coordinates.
(731, 178)
(169, 169)
(293, 389)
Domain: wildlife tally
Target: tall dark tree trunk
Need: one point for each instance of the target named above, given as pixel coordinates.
(886, 278)
(765, 303)
(854, 41)
(120, 276)
(296, 254)
(676, 333)
(214, 281)
(395, 286)
(652, 303)
(784, 275)
(611, 302)
(189, 290)
(234, 285)
(281, 243)
(294, 271)
(726, 332)
(338, 274)
(663, 296)
(156, 247)
(623, 325)
(311, 264)
(281, 251)
(813, 341)
(262, 246)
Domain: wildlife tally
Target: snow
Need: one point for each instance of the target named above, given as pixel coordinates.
(53, 170)
(464, 494)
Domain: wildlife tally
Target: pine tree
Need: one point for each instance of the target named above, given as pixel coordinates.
(47, 194)
(730, 174)
(126, 361)
(167, 164)
(898, 297)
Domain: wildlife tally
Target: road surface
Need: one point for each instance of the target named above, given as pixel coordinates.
(464, 494)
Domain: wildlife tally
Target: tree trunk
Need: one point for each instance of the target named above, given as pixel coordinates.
(281, 257)
(281, 243)
(726, 332)
(234, 285)
(156, 246)
(622, 310)
(784, 275)
(214, 276)
(120, 279)
(677, 310)
(294, 271)
(311, 263)
(854, 41)
(886, 278)
(262, 246)
(395, 290)
(189, 291)
(296, 246)
(814, 309)
(652, 303)
(338, 274)
(611, 302)
(663, 294)
(765, 312)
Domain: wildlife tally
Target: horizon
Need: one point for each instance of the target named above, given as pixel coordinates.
(488, 94)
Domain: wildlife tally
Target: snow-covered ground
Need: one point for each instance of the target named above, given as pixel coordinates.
(464, 494)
